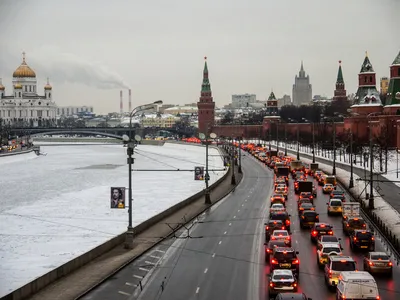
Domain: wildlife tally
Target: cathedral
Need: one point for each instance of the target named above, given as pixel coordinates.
(24, 107)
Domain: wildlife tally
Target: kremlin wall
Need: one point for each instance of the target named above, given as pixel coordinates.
(366, 110)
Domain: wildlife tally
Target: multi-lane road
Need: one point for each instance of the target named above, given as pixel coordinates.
(223, 256)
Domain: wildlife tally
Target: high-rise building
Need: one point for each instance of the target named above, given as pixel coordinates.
(206, 105)
(384, 85)
(302, 89)
(243, 100)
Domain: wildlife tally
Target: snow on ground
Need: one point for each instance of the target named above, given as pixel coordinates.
(56, 207)
(383, 209)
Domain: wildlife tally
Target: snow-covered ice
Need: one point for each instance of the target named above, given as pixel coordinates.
(56, 207)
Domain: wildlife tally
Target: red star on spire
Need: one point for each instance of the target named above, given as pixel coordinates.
(205, 57)
(340, 61)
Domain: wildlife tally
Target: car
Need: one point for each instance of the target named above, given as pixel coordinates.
(378, 262)
(357, 285)
(305, 206)
(282, 235)
(280, 180)
(334, 206)
(327, 188)
(362, 239)
(353, 223)
(285, 258)
(303, 200)
(277, 207)
(292, 296)
(335, 193)
(314, 191)
(318, 174)
(282, 189)
(282, 280)
(330, 239)
(272, 225)
(269, 247)
(278, 198)
(308, 195)
(326, 250)
(335, 265)
(283, 216)
(308, 219)
(320, 229)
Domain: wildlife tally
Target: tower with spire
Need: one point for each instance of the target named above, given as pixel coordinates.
(367, 99)
(272, 105)
(206, 105)
(340, 91)
(302, 89)
(393, 95)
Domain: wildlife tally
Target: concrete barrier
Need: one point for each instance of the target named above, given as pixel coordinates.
(16, 153)
(36, 285)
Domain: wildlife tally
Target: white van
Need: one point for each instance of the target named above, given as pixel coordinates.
(358, 285)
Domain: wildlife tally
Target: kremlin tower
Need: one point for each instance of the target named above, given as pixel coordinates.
(340, 91)
(393, 96)
(206, 105)
(367, 98)
(272, 105)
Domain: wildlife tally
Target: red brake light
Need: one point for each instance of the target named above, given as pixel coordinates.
(296, 262)
(323, 225)
(273, 238)
(283, 227)
(314, 233)
(287, 222)
(267, 227)
(330, 232)
(274, 262)
(271, 284)
(390, 264)
(371, 263)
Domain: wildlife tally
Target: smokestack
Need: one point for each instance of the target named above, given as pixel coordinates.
(130, 101)
(121, 103)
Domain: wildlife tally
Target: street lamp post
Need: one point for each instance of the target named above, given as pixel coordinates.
(351, 183)
(371, 169)
(277, 137)
(313, 143)
(240, 156)
(130, 149)
(334, 147)
(270, 135)
(298, 143)
(233, 178)
(285, 139)
(207, 138)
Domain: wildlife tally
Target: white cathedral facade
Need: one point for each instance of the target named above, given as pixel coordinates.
(24, 107)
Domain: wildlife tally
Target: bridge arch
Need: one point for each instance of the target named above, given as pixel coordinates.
(72, 131)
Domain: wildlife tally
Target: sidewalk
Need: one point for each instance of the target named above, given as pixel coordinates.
(90, 275)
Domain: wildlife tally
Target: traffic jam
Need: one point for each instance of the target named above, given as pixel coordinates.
(316, 235)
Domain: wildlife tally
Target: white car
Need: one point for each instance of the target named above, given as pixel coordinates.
(277, 207)
(328, 239)
(282, 281)
(281, 235)
(325, 250)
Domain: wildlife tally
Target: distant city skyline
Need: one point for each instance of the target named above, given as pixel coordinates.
(91, 50)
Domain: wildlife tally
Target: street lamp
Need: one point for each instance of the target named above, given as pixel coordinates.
(298, 143)
(233, 178)
(130, 149)
(207, 138)
(351, 183)
(285, 139)
(332, 119)
(240, 156)
(313, 142)
(277, 136)
(270, 136)
(371, 204)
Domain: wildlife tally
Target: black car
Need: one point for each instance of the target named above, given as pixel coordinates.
(362, 240)
(283, 216)
(284, 258)
(269, 247)
(292, 296)
(320, 229)
(308, 219)
(271, 226)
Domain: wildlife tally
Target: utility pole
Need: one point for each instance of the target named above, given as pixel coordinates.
(298, 143)
(277, 136)
(351, 183)
(233, 178)
(313, 143)
(334, 147)
(285, 139)
(371, 170)
(240, 155)
(207, 176)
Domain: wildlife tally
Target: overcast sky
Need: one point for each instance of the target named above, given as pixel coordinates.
(91, 49)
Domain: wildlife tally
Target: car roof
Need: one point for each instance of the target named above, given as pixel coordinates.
(277, 213)
(275, 221)
(362, 231)
(282, 249)
(280, 231)
(337, 192)
(276, 242)
(282, 272)
(379, 253)
(331, 236)
(342, 257)
(308, 211)
(330, 245)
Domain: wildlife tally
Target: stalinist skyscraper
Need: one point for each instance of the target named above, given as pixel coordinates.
(302, 89)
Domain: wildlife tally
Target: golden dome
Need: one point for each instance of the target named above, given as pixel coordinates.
(17, 86)
(48, 86)
(24, 70)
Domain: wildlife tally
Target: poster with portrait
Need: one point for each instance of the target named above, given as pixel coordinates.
(198, 173)
(117, 197)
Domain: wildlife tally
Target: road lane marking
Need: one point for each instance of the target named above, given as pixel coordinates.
(219, 242)
(230, 224)
(197, 290)
(242, 204)
(124, 293)
(238, 210)
(153, 256)
(143, 269)
(150, 263)
(162, 251)
(131, 284)
(205, 271)
(234, 217)
(138, 276)
(213, 255)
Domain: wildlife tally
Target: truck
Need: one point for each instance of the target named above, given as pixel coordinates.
(313, 168)
(296, 165)
(350, 210)
(304, 186)
(273, 153)
(282, 171)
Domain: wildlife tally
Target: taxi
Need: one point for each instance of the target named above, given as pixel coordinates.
(325, 251)
(334, 206)
(327, 188)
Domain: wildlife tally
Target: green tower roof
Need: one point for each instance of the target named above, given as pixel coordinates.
(366, 66)
(396, 60)
(272, 96)
(205, 86)
(340, 74)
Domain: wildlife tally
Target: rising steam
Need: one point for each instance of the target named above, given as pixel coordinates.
(64, 67)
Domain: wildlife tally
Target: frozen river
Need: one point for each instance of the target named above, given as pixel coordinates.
(56, 207)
